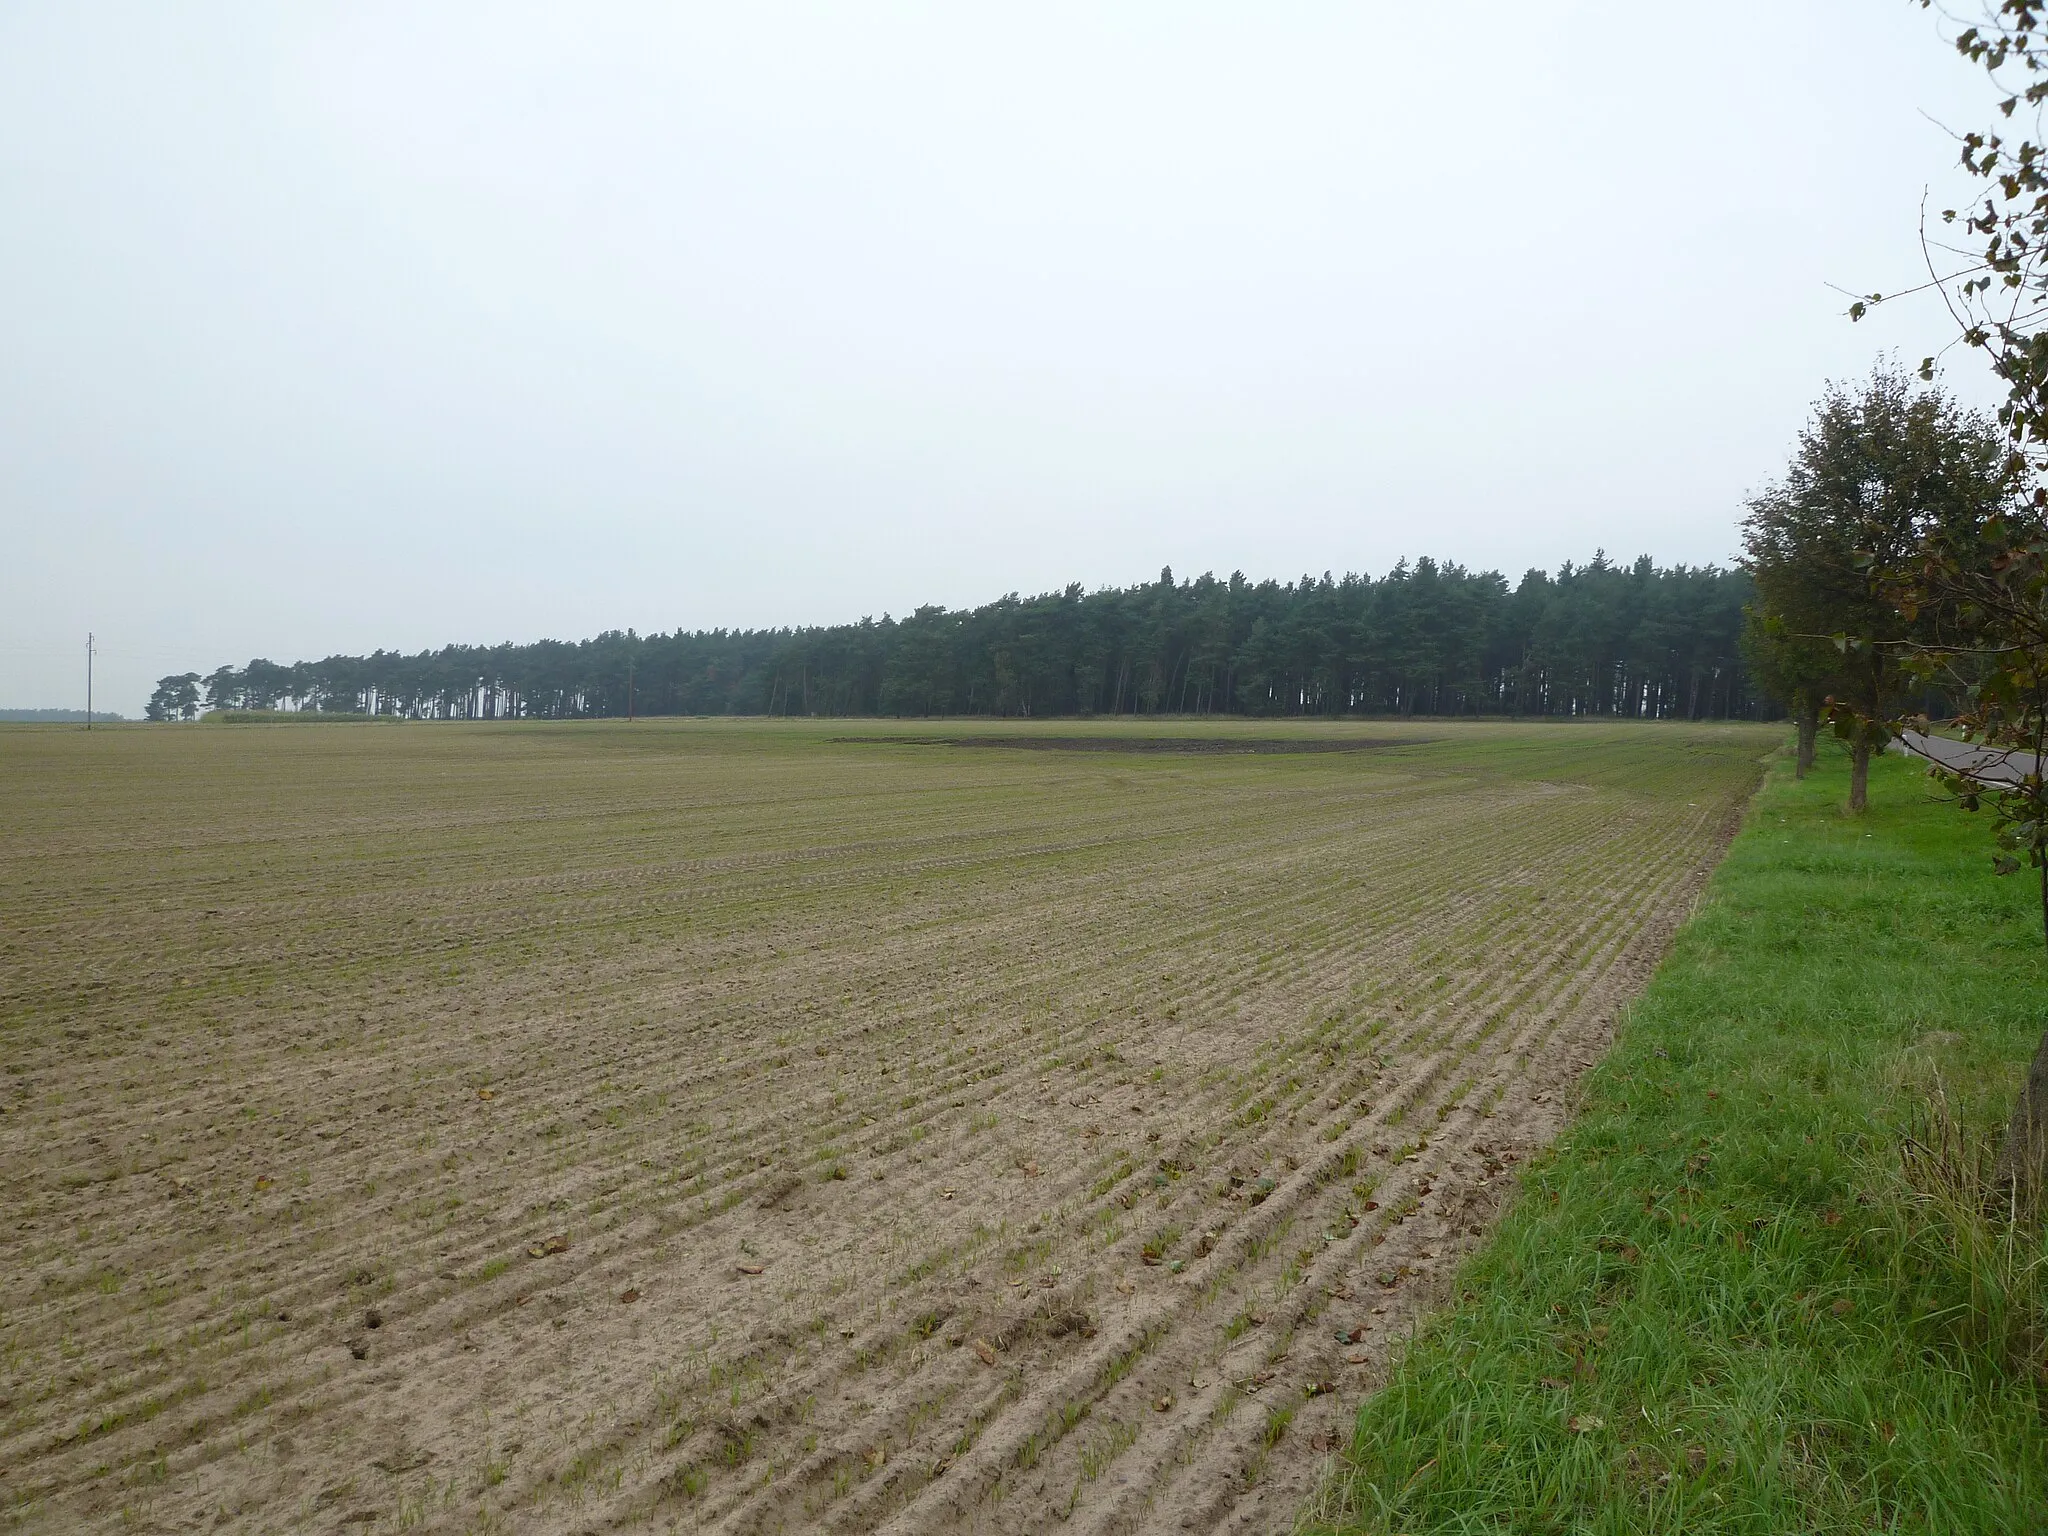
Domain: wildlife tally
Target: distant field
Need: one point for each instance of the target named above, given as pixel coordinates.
(723, 1125)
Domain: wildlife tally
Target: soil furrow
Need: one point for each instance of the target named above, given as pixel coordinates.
(916, 1127)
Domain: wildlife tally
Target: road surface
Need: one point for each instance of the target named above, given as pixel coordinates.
(1993, 767)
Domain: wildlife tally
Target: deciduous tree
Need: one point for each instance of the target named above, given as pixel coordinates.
(1980, 595)
(1876, 466)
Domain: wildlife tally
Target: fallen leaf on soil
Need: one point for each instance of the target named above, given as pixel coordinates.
(486, 1093)
(750, 1269)
(629, 1296)
(559, 1243)
(1125, 1288)
(986, 1351)
(1356, 1359)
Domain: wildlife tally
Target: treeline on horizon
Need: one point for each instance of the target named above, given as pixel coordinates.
(1428, 638)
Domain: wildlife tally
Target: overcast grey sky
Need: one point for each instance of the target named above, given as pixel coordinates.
(330, 327)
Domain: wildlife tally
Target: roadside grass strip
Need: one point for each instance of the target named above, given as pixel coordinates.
(1751, 1289)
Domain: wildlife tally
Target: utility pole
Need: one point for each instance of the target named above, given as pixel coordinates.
(88, 680)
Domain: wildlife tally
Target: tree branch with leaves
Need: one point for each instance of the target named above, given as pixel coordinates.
(1977, 596)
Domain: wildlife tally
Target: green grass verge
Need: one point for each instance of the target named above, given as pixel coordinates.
(1730, 1301)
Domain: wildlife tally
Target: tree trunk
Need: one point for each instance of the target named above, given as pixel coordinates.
(2022, 1167)
(1809, 733)
(1859, 774)
(2021, 1173)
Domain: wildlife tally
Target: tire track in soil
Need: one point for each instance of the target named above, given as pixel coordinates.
(1081, 1033)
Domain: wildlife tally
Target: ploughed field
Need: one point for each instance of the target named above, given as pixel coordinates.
(730, 1127)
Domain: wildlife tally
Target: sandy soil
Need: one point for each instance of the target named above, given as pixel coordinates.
(705, 1129)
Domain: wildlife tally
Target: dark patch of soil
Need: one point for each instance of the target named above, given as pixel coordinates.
(1180, 744)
